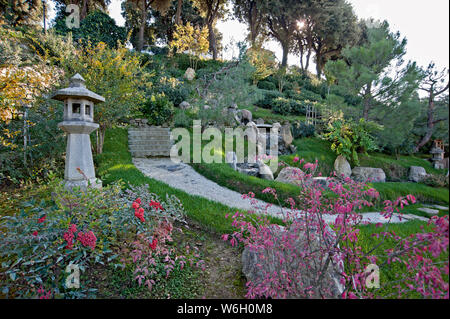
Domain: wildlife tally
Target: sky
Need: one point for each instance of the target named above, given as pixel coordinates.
(425, 24)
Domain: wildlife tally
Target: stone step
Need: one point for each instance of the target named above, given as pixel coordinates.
(149, 141)
(140, 135)
(150, 149)
(146, 154)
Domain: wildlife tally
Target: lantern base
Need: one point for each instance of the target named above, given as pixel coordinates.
(83, 184)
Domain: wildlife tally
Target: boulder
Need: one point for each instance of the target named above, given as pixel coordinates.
(246, 116)
(248, 169)
(286, 134)
(364, 174)
(231, 159)
(417, 174)
(189, 74)
(256, 264)
(290, 175)
(184, 105)
(342, 167)
(264, 171)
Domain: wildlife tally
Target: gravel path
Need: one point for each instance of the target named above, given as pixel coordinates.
(183, 177)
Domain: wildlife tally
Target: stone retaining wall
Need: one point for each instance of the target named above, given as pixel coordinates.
(149, 141)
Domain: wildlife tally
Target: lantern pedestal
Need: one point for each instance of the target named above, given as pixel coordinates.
(79, 170)
(78, 124)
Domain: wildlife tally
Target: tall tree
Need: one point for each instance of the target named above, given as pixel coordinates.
(212, 10)
(434, 84)
(86, 6)
(281, 18)
(138, 11)
(164, 25)
(375, 71)
(249, 12)
(333, 26)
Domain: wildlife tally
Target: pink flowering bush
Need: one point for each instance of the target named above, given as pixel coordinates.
(317, 251)
(151, 253)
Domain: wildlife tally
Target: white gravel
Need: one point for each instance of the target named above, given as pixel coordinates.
(183, 177)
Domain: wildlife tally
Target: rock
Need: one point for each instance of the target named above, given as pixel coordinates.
(248, 169)
(364, 174)
(342, 167)
(264, 171)
(417, 174)
(290, 175)
(206, 107)
(189, 74)
(292, 148)
(286, 134)
(429, 211)
(257, 263)
(252, 132)
(233, 106)
(231, 159)
(259, 121)
(184, 105)
(246, 116)
(439, 207)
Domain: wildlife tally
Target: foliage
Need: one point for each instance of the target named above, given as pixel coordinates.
(365, 70)
(267, 85)
(436, 180)
(349, 138)
(325, 250)
(96, 27)
(267, 101)
(192, 39)
(20, 12)
(175, 90)
(158, 109)
(302, 130)
(115, 74)
(263, 61)
(41, 240)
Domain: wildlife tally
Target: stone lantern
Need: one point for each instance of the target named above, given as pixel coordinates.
(438, 157)
(78, 123)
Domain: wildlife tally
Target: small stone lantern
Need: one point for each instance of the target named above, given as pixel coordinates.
(438, 157)
(78, 123)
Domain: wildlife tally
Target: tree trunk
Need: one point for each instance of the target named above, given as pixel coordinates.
(284, 61)
(178, 14)
(100, 139)
(142, 27)
(83, 12)
(430, 124)
(212, 41)
(366, 102)
(308, 57)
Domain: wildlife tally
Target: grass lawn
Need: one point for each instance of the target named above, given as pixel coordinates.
(115, 164)
(389, 272)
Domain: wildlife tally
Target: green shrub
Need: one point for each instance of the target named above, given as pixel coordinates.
(436, 180)
(281, 106)
(176, 94)
(267, 101)
(350, 138)
(267, 85)
(301, 130)
(309, 96)
(158, 109)
(181, 119)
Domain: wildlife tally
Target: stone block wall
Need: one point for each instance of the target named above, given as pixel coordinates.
(149, 141)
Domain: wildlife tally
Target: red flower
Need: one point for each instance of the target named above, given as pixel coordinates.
(154, 243)
(139, 213)
(138, 200)
(35, 233)
(156, 205)
(42, 219)
(135, 205)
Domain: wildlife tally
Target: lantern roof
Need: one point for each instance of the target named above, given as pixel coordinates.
(77, 89)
